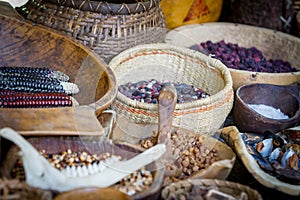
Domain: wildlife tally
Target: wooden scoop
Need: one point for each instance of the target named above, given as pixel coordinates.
(167, 102)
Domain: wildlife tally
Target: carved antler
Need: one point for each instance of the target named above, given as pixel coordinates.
(41, 174)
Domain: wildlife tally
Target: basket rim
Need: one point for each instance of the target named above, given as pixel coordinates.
(216, 182)
(226, 91)
(105, 7)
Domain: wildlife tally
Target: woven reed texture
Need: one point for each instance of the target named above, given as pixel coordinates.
(175, 64)
(276, 14)
(105, 34)
(106, 7)
(231, 188)
(13, 189)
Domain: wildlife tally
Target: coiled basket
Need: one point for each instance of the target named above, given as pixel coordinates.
(175, 64)
(106, 28)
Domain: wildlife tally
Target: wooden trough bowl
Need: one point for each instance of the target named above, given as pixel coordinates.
(28, 45)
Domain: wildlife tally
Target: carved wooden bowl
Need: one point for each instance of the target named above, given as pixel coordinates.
(28, 45)
(285, 98)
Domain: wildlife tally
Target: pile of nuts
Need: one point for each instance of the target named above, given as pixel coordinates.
(192, 152)
(236, 57)
(148, 91)
(189, 151)
(136, 182)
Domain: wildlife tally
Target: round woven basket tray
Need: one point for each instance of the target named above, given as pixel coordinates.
(184, 188)
(107, 31)
(175, 64)
(275, 45)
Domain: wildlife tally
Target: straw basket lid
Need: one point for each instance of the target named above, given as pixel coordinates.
(104, 7)
(231, 188)
(234, 139)
(273, 44)
(175, 64)
(107, 31)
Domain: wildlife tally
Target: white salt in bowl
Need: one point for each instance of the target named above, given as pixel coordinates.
(279, 100)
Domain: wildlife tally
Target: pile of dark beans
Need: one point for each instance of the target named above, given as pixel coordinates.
(241, 58)
(148, 91)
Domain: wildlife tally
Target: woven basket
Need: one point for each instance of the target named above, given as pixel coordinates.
(13, 189)
(106, 34)
(105, 7)
(175, 64)
(185, 187)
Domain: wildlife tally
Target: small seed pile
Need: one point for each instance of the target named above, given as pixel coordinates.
(148, 91)
(236, 57)
(136, 182)
(76, 159)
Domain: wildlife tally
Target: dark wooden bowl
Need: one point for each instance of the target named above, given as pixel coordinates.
(286, 98)
(28, 45)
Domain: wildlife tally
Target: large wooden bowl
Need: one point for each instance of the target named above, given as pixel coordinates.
(234, 139)
(28, 45)
(273, 44)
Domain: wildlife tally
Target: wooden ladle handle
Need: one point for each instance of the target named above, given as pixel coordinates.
(166, 105)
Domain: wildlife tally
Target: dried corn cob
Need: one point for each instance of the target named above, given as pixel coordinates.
(12, 99)
(26, 71)
(35, 103)
(8, 95)
(35, 80)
